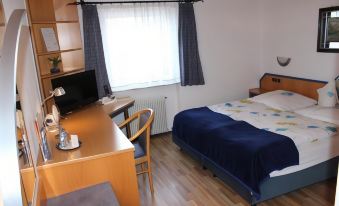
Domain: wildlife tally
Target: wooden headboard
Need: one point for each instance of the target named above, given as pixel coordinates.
(306, 87)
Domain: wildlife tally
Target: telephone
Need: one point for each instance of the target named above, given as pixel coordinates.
(108, 100)
(53, 118)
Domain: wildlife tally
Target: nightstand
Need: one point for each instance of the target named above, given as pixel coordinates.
(256, 91)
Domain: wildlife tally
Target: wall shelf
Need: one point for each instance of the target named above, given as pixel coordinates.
(58, 52)
(54, 22)
(52, 76)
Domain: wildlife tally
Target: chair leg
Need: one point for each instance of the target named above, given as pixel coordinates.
(150, 176)
(143, 169)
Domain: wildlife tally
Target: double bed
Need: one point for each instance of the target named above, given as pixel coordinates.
(259, 150)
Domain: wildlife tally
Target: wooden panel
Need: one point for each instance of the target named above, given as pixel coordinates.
(41, 10)
(64, 12)
(28, 178)
(2, 23)
(72, 60)
(69, 35)
(41, 198)
(119, 170)
(45, 65)
(306, 87)
(39, 41)
(2, 15)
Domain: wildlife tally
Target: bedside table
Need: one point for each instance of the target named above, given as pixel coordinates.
(256, 91)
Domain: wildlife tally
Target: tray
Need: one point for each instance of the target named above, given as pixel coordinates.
(68, 148)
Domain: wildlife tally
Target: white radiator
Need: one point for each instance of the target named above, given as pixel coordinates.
(158, 104)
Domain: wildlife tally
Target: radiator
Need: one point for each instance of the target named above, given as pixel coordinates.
(158, 104)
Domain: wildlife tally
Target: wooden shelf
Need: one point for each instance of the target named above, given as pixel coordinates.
(54, 22)
(58, 52)
(50, 76)
(64, 20)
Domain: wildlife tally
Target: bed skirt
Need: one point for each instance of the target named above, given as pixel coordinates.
(271, 187)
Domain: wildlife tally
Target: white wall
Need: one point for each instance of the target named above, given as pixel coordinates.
(10, 5)
(228, 38)
(290, 28)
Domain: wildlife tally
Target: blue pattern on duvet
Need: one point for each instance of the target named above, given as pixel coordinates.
(297, 127)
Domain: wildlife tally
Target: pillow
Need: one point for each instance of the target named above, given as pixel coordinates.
(266, 95)
(286, 101)
(328, 96)
(326, 114)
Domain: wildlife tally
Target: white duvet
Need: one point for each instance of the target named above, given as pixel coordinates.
(315, 139)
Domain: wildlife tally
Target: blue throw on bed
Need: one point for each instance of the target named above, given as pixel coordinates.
(248, 153)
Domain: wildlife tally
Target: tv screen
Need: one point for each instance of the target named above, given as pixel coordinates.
(80, 88)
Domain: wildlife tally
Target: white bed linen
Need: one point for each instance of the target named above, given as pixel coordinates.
(311, 154)
(316, 141)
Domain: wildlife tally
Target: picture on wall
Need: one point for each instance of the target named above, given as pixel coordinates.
(333, 30)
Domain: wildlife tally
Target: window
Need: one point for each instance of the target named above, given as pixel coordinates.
(140, 44)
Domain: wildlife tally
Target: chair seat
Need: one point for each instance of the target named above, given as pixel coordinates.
(97, 195)
(139, 151)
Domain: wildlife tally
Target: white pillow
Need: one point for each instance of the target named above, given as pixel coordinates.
(328, 96)
(327, 114)
(266, 95)
(285, 100)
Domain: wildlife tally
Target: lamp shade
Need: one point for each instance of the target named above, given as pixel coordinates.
(59, 91)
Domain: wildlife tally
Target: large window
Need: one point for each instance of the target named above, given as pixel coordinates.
(140, 44)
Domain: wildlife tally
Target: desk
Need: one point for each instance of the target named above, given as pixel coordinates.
(105, 155)
(121, 105)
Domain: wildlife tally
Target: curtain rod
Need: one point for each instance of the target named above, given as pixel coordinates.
(82, 2)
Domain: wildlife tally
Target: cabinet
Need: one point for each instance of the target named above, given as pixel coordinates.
(64, 20)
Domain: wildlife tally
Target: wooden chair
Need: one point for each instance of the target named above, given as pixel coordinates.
(141, 141)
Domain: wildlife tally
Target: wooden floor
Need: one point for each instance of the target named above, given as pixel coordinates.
(180, 180)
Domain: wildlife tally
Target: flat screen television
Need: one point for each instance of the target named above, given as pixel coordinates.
(80, 88)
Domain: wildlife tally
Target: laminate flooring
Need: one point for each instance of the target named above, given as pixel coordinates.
(179, 180)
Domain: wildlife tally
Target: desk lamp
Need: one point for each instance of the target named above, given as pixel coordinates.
(59, 91)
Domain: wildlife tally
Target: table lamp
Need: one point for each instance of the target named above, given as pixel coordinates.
(59, 91)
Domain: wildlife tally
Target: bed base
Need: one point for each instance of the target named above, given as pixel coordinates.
(272, 187)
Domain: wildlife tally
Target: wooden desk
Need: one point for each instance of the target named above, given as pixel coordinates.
(121, 105)
(105, 155)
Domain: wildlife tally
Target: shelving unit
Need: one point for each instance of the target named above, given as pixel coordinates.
(64, 20)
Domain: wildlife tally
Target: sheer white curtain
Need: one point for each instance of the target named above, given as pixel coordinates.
(140, 44)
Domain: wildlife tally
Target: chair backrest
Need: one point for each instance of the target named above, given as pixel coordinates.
(146, 118)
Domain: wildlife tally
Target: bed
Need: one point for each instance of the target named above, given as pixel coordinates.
(293, 163)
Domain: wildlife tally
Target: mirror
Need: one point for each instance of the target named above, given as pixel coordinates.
(29, 95)
(328, 30)
(18, 181)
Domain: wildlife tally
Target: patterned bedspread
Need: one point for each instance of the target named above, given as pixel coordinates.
(297, 127)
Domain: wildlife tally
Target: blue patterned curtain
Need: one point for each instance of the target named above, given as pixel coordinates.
(94, 53)
(190, 65)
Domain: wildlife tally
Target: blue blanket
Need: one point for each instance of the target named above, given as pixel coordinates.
(248, 153)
